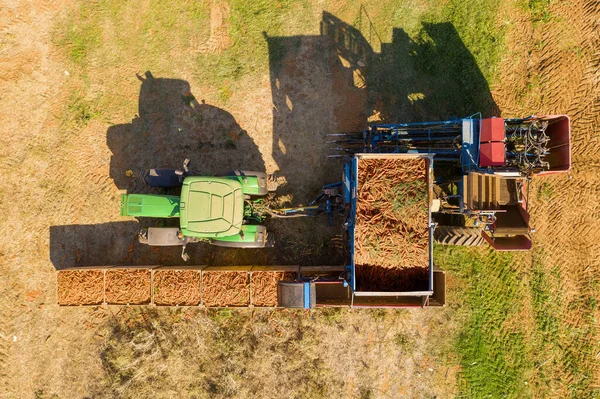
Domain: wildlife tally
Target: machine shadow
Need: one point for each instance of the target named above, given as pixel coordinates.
(171, 125)
(431, 77)
(336, 82)
(105, 244)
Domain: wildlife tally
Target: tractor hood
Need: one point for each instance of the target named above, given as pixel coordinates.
(211, 207)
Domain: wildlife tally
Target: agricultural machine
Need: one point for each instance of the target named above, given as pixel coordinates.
(217, 210)
(478, 171)
(482, 170)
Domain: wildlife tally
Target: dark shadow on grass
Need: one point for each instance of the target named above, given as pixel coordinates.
(431, 77)
(333, 82)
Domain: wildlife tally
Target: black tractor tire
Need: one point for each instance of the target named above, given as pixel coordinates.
(457, 235)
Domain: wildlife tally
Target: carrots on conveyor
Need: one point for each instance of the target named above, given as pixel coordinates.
(225, 288)
(264, 287)
(128, 286)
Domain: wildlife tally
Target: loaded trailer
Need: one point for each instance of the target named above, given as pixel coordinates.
(390, 231)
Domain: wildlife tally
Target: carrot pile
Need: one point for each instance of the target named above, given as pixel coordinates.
(80, 287)
(128, 286)
(226, 288)
(392, 213)
(177, 287)
(264, 287)
(391, 231)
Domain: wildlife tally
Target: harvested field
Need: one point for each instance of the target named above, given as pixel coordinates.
(392, 213)
(264, 287)
(522, 325)
(80, 287)
(383, 279)
(177, 287)
(128, 287)
(224, 289)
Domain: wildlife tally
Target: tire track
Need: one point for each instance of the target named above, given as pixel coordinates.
(556, 69)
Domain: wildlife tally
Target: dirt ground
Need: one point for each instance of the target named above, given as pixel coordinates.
(563, 76)
(62, 178)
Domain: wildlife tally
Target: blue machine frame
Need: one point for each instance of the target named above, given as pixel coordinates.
(389, 138)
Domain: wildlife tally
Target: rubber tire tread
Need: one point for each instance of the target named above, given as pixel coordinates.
(457, 235)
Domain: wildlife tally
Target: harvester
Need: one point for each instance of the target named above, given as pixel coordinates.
(483, 166)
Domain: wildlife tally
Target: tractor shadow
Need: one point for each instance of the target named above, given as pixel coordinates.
(105, 244)
(337, 82)
(171, 125)
(116, 244)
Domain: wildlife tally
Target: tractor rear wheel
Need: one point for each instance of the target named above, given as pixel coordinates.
(457, 235)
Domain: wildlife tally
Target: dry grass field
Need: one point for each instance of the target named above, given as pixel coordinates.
(92, 93)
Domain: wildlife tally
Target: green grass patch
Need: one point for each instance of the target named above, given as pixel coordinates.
(539, 10)
(443, 66)
(80, 112)
(80, 35)
(502, 352)
(250, 23)
(545, 303)
(493, 352)
(546, 192)
(477, 25)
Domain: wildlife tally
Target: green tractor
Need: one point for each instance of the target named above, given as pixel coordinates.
(224, 211)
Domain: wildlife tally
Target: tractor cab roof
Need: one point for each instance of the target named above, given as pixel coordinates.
(211, 207)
